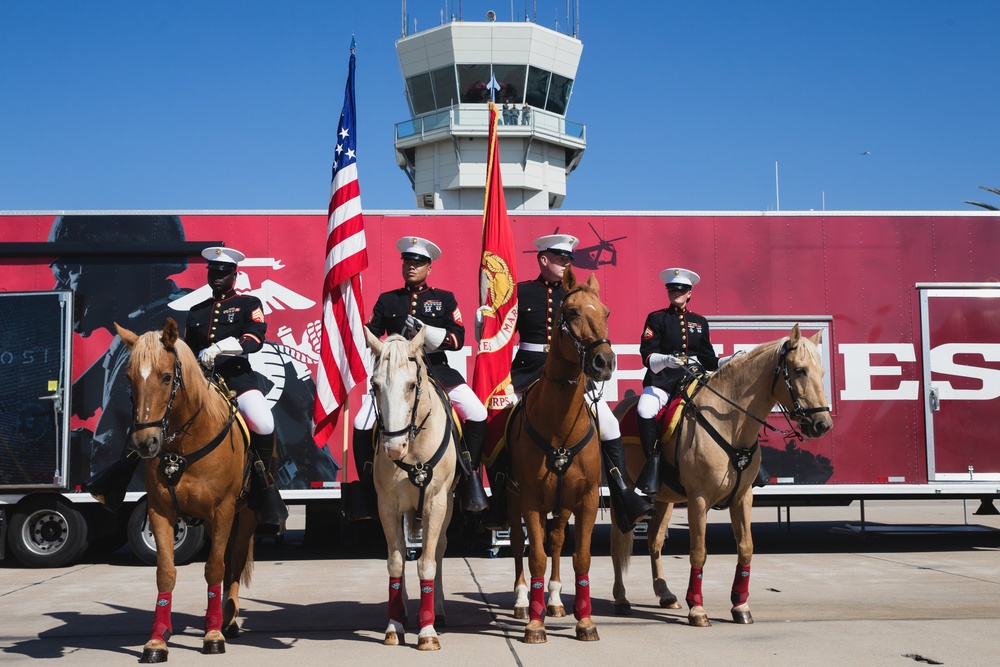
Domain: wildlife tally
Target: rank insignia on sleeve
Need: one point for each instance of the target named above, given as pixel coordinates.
(458, 317)
(257, 315)
(647, 333)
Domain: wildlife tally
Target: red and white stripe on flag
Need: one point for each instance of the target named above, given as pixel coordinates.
(342, 346)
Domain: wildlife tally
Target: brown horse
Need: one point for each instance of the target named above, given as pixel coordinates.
(555, 460)
(715, 455)
(414, 475)
(197, 465)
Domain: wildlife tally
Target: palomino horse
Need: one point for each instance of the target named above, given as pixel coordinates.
(714, 455)
(197, 466)
(414, 475)
(555, 460)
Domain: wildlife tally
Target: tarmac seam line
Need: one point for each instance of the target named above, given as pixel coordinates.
(46, 581)
(493, 614)
(931, 569)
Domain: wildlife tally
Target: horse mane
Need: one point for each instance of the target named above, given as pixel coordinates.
(147, 350)
(742, 369)
(396, 352)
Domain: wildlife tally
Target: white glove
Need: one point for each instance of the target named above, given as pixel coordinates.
(657, 362)
(412, 326)
(481, 313)
(433, 337)
(226, 346)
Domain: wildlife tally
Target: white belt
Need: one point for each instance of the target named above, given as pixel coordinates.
(533, 347)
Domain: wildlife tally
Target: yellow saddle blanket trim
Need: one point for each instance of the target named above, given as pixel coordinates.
(675, 416)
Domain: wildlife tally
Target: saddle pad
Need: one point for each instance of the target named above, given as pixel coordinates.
(668, 417)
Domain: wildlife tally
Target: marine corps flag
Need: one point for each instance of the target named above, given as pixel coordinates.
(497, 289)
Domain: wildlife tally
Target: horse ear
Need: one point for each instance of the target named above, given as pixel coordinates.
(374, 344)
(817, 337)
(569, 278)
(592, 284)
(169, 336)
(127, 336)
(796, 336)
(417, 342)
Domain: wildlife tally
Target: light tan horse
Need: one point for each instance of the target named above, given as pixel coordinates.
(715, 454)
(414, 472)
(555, 460)
(196, 455)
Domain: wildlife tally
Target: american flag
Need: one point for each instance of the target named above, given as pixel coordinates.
(342, 359)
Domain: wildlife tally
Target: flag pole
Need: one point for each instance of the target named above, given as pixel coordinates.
(345, 414)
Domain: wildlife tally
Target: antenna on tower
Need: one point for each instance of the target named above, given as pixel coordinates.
(404, 18)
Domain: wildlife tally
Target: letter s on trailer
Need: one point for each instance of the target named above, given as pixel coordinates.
(908, 303)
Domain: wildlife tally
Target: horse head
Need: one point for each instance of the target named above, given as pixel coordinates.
(583, 318)
(154, 375)
(398, 382)
(801, 368)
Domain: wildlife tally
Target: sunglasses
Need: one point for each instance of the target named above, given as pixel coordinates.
(679, 288)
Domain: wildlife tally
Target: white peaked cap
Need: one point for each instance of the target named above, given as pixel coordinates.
(679, 277)
(561, 244)
(223, 255)
(414, 245)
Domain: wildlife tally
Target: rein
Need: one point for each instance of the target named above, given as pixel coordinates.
(557, 459)
(740, 458)
(420, 473)
(172, 465)
(581, 348)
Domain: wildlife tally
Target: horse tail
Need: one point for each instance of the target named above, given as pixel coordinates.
(247, 573)
(621, 547)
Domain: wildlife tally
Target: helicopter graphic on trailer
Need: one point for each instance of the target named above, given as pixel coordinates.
(591, 257)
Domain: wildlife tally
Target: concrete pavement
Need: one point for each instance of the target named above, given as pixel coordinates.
(820, 595)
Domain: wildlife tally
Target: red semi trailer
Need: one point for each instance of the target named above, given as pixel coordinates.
(908, 303)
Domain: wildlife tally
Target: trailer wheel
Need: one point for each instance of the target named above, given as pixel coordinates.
(187, 539)
(46, 531)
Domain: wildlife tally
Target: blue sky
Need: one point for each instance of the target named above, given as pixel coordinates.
(688, 105)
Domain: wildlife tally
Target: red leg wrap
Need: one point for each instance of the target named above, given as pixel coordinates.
(536, 599)
(741, 585)
(581, 604)
(396, 607)
(161, 618)
(213, 617)
(694, 598)
(426, 602)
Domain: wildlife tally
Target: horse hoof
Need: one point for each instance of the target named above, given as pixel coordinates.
(150, 655)
(214, 647)
(556, 611)
(742, 617)
(520, 613)
(391, 639)
(428, 644)
(587, 634)
(231, 631)
(699, 620)
(670, 603)
(534, 636)
(623, 609)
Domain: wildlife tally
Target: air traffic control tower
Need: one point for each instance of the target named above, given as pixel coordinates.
(448, 71)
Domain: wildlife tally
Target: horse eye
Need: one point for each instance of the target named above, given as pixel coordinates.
(802, 370)
(572, 313)
(166, 378)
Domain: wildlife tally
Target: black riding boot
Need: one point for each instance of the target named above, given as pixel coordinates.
(360, 501)
(109, 484)
(496, 517)
(471, 486)
(648, 481)
(628, 506)
(264, 497)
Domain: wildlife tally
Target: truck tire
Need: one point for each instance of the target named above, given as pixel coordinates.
(188, 540)
(47, 531)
